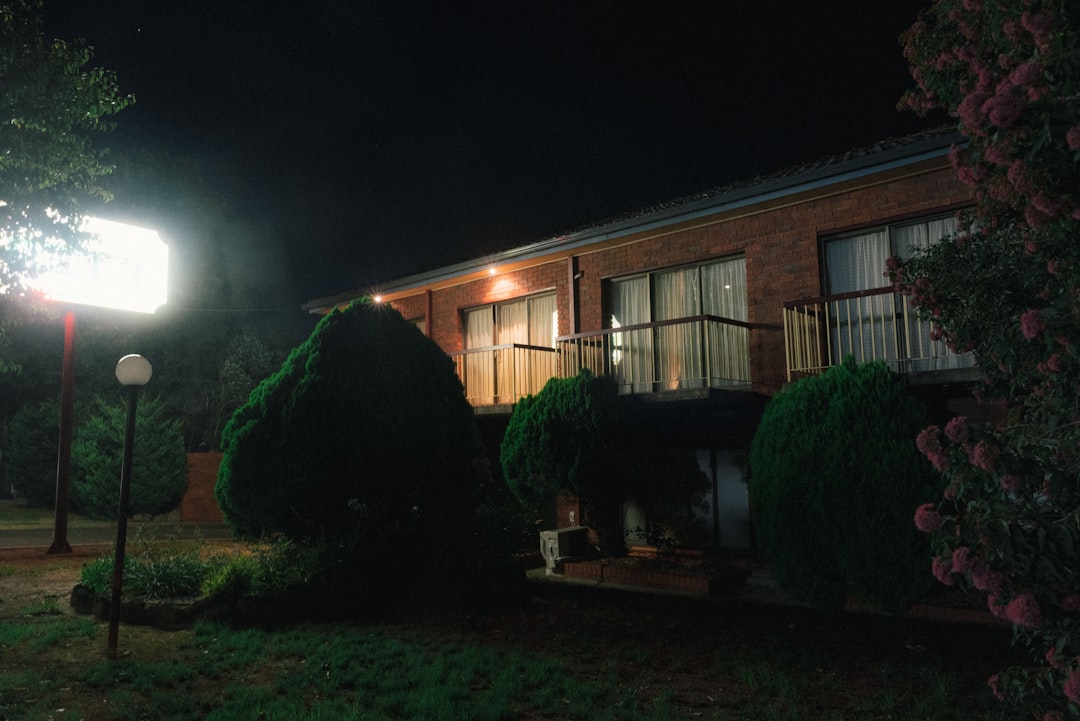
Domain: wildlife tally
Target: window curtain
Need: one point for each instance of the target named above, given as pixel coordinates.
(862, 327)
(631, 351)
(677, 294)
(925, 354)
(537, 366)
(479, 367)
(857, 262)
(723, 294)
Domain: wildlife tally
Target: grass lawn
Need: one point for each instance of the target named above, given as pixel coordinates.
(13, 514)
(569, 653)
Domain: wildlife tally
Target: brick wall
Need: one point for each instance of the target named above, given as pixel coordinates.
(199, 504)
(781, 245)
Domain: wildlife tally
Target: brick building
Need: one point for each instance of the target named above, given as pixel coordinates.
(703, 307)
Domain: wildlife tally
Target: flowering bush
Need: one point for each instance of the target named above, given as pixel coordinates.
(1007, 288)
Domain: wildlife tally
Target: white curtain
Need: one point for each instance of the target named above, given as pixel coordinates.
(857, 262)
(631, 351)
(479, 367)
(879, 327)
(723, 294)
(677, 294)
(926, 354)
(861, 327)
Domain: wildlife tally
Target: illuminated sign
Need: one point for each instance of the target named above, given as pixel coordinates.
(125, 267)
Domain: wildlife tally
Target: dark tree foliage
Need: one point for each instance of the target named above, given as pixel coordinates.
(570, 439)
(30, 453)
(51, 100)
(363, 439)
(159, 461)
(834, 476)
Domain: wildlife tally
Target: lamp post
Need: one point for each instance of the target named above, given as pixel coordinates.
(133, 372)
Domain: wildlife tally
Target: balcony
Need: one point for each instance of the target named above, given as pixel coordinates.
(688, 353)
(504, 374)
(870, 325)
(699, 352)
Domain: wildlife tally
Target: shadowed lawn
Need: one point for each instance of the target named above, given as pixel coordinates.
(570, 653)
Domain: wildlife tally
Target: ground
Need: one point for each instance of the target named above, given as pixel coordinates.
(677, 637)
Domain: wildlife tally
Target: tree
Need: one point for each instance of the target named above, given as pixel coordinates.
(1006, 288)
(570, 439)
(49, 100)
(361, 441)
(833, 478)
(159, 462)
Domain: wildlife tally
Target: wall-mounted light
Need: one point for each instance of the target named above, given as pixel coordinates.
(492, 271)
(377, 298)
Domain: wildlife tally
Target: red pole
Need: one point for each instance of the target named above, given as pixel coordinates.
(63, 455)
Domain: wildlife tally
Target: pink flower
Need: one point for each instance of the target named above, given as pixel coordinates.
(1024, 611)
(927, 519)
(928, 441)
(961, 559)
(941, 568)
(1004, 109)
(956, 430)
(997, 608)
(1053, 716)
(1032, 325)
(1011, 483)
(1072, 686)
(994, 683)
(983, 456)
(1071, 602)
(985, 578)
(1039, 26)
(1053, 363)
(1072, 137)
(1030, 77)
(1052, 658)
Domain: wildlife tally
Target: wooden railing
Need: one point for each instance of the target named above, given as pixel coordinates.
(504, 373)
(699, 352)
(869, 325)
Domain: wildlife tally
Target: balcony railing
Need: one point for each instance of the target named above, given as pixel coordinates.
(699, 352)
(869, 325)
(504, 373)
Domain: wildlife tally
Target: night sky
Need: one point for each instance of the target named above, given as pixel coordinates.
(364, 140)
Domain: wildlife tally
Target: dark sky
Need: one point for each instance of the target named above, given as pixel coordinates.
(368, 139)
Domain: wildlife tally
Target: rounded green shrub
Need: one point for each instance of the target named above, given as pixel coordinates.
(834, 478)
(572, 439)
(361, 443)
(158, 468)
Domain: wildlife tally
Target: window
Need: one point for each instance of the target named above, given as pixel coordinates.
(699, 352)
(881, 326)
(519, 338)
(857, 262)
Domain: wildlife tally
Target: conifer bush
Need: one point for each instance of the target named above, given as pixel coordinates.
(159, 460)
(362, 444)
(572, 439)
(834, 474)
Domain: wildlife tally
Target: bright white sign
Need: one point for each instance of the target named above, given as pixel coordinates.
(126, 267)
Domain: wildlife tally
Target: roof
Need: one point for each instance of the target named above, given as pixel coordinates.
(880, 156)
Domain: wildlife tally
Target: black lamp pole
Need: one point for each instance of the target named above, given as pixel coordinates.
(134, 372)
